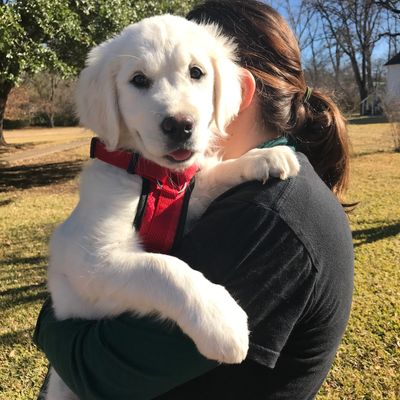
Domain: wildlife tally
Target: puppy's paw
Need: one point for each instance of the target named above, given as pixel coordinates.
(218, 326)
(279, 162)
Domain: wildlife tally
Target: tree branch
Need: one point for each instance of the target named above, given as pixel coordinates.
(389, 5)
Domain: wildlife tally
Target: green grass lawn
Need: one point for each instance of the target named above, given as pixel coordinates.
(35, 196)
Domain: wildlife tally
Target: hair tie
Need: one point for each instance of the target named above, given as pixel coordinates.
(307, 94)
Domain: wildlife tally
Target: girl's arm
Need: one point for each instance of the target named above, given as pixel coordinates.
(118, 358)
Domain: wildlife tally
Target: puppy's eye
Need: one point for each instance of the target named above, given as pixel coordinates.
(141, 81)
(196, 73)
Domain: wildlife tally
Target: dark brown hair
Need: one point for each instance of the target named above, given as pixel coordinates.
(268, 48)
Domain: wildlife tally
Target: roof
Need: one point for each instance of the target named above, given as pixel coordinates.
(394, 60)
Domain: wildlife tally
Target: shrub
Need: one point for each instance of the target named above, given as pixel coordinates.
(66, 119)
(15, 123)
(40, 119)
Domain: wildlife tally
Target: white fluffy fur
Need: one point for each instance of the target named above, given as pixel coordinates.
(97, 265)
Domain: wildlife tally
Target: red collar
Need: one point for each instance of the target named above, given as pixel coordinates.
(162, 208)
(133, 163)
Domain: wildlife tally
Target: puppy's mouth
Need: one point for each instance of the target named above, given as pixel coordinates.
(180, 156)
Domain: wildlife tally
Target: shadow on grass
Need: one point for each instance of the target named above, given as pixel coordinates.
(11, 147)
(368, 120)
(22, 289)
(36, 260)
(38, 175)
(371, 152)
(6, 202)
(18, 337)
(22, 295)
(373, 234)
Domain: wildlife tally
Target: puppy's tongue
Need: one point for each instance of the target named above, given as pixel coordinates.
(181, 154)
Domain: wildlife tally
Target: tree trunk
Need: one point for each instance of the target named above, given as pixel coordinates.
(51, 119)
(361, 82)
(363, 95)
(5, 89)
(52, 89)
(2, 140)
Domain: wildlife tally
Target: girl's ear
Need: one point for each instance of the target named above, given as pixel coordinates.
(248, 84)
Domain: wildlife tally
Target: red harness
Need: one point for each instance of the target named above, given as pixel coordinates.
(161, 213)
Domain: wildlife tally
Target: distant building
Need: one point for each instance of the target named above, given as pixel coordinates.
(393, 79)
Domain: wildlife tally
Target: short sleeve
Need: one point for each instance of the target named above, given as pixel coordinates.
(250, 250)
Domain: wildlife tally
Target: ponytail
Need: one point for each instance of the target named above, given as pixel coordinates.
(321, 134)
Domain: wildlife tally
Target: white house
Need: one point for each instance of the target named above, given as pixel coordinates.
(393, 80)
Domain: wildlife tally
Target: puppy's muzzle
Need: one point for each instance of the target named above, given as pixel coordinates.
(178, 128)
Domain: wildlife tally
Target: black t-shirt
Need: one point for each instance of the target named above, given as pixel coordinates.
(284, 251)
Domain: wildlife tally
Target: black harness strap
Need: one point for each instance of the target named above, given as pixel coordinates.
(142, 204)
(181, 226)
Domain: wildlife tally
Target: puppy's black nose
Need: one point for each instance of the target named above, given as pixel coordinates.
(178, 128)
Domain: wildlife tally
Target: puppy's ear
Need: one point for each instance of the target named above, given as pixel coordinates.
(96, 96)
(227, 83)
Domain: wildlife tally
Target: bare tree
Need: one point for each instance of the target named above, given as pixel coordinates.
(391, 31)
(335, 54)
(19, 105)
(338, 39)
(355, 27)
(306, 27)
(390, 5)
(301, 19)
(52, 96)
(323, 59)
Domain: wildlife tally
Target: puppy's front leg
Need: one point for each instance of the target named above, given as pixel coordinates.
(216, 177)
(148, 283)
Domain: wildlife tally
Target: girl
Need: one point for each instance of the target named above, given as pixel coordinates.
(283, 249)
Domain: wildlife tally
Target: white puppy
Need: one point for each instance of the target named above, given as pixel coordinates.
(165, 87)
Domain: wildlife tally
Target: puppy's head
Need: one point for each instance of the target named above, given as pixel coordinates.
(164, 87)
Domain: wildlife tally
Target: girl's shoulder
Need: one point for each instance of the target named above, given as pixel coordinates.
(305, 206)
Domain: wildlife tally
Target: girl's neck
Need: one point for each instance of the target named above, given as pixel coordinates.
(244, 134)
